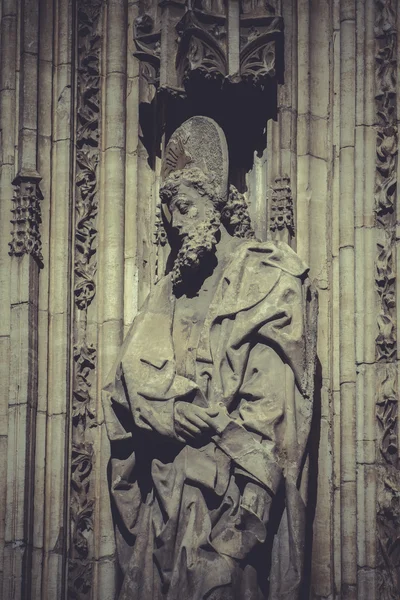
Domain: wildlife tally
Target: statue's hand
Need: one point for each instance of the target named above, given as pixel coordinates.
(192, 422)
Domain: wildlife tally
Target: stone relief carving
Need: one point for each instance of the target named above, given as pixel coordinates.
(160, 240)
(148, 46)
(86, 206)
(199, 51)
(387, 133)
(387, 414)
(385, 282)
(209, 404)
(203, 48)
(85, 234)
(281, 208)
(257, 7)
(200, 45)
(259, 64)
(388, 485)
(206, 67)
(26, 217)
(388, 517)
(82, 409)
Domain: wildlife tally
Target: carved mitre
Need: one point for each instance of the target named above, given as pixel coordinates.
(199, 142)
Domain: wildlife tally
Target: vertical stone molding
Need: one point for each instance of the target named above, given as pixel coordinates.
(8, 98)
(80, 573)
(346, 299)
(388, 490)
(26, 217)
(26, 258)
(91, 91)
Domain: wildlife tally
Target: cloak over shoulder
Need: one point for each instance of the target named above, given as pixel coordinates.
(256, 356)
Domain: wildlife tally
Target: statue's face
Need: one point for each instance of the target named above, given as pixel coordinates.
(188, 210)
(195, 221)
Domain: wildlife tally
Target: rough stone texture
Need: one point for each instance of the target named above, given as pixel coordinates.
(211, 495)
(332, 136)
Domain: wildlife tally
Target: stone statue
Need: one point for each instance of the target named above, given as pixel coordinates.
(209, 404)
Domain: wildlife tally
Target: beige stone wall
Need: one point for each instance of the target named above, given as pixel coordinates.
(69, 128)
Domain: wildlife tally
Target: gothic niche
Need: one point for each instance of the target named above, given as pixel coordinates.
(209, 404)
(213, 58)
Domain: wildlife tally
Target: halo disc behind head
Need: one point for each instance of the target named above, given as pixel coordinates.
(199, 142)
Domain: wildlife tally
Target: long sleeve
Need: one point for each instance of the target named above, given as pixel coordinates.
(264, 383)
(143, 384)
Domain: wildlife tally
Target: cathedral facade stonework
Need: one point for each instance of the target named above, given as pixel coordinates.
(198, 293)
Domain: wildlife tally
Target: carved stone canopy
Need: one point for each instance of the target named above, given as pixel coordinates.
(228, 42)
(215, 58)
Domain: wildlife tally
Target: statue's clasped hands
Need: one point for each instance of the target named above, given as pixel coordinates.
(192, 422)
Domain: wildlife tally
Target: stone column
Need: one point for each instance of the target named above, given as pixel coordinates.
(26, 261)
(348, 501)
(365, 300)
(59, 306)
(45, 130)
(110, 284)
(131, 275)
(8, 102)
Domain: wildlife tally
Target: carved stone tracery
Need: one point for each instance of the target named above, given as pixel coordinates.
(201, 45)
(212, 58)
(201, 49)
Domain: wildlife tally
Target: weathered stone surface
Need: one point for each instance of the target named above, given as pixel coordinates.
(90, 94)
(220, 454)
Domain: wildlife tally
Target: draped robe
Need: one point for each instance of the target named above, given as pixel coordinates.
(223, 519)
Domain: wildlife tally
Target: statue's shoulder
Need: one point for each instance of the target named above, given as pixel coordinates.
(272, 254)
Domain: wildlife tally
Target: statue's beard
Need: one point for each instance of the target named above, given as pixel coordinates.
(197, 246)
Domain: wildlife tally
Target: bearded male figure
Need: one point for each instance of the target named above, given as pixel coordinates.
(209, 405)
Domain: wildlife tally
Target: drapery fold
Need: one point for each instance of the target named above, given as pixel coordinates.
(193, 521)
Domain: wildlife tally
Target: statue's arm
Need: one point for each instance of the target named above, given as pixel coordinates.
(249, 434)
(261, 408)
(179, 418)
(255, 433)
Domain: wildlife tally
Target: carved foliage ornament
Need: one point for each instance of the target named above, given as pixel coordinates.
(386, 87)
(82, 506)
(388, 471)
(217, 7)
(88, 93)
(26, 217)
(200, 39)
(83, 413)
(148, 49)
(385, 283)
(85, 231)
(387, 414)
(204, 49)
(386, 171)
(85, 266)
(200, 49)
(388, 519)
